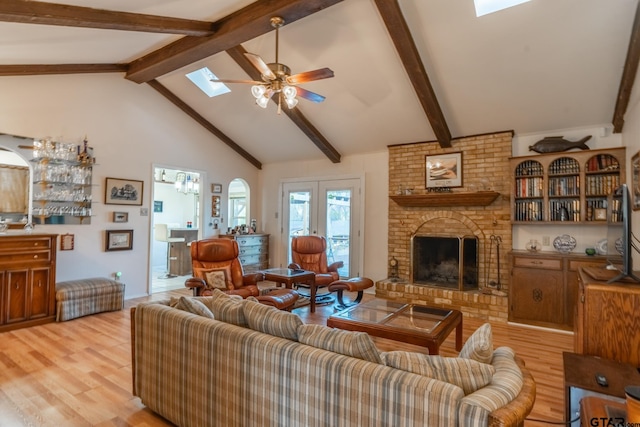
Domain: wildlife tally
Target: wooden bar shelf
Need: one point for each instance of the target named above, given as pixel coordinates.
(479, 198)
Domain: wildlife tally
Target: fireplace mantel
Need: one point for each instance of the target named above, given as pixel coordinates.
(479, 198)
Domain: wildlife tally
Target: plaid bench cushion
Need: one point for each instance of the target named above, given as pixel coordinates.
(77, 298)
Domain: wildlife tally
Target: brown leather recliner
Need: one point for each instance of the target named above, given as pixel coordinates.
(216, 265)
(310, 253)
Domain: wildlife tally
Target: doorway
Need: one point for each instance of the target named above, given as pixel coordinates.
(177, 207)
(329, 208)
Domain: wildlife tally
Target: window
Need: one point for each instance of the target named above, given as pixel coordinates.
(202, 79)
(238, 203)
(485, 7)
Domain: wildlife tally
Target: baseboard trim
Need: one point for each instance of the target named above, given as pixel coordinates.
(540, 328)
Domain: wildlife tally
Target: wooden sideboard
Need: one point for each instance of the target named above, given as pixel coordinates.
(544, 287)
(27, 279)
(254, 250)
(607, 320)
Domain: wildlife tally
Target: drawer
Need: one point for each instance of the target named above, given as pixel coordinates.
(252, 250)
(22, 257)
(253, 259)
(575, 264)
(252, 240)
(24, 243)
(546, 263)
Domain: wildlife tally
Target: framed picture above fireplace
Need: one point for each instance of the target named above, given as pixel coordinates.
(444, 170)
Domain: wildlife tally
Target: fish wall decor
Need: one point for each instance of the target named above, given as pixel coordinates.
(554, 144)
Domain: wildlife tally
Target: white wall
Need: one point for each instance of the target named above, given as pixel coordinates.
(375, 169)
(130, 127)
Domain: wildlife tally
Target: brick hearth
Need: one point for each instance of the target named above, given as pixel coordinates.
(485, 160)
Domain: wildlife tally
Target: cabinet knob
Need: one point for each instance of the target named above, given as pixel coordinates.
(35, 257)
(536, 262)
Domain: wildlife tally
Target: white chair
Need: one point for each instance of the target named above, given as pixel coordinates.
(161, 233)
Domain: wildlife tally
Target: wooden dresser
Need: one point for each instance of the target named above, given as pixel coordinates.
(544, 287)
(607, 321)
(254, 250)
(27, 279)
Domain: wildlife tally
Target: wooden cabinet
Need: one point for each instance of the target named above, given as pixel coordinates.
(27, 279)
(607, 318)
(567, 187)
(254, 250)
(544, 287)
(180, 252)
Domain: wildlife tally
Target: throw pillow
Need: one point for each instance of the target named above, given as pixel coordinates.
(228, 308)
(193, 305)
(354, 344)
(479, 346)
(215, 278)
(468, 374)
(270, 320)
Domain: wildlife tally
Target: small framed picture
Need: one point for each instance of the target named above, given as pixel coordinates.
(216, 188)
(123, 192)
(635, 178)
(119, 240)
(600, 214)
(157, 206)
(67, 242)
(444, 170)
(120, 217)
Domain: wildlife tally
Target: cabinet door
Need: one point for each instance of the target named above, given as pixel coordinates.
(39, 300)
(571, 293)
(537, 295)
(16, 302)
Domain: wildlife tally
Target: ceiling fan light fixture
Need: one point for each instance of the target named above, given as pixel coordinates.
(258, 91)
(290, 92)
(291, 102)
(262, 101)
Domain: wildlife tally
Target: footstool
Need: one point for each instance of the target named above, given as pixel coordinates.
(77, 298)
(282, 299)
(355, 284)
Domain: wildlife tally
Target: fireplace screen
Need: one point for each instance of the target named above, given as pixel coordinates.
(447, 262)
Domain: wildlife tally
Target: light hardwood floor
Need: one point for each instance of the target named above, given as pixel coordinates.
(78, 373)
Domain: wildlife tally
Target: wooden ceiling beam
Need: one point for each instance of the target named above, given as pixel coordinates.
(628, 75)
(246, 24)
(50, 69)
(399, 31)
(237, 53)
(203, 122)
(34, 12)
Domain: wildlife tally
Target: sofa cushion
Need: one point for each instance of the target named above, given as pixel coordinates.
(228, 308)
(354, 344)
(216, 278)
(468, 374)
(270, 320)
(479, 346)
(192, 305)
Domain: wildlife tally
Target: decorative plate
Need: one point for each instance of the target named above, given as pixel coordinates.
(602, 247)
(564, 243)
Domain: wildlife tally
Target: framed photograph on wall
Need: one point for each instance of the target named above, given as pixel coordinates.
(120, 217)
(444, 170)
(216, 188)
(119, 240)
(635, 177)
(119, 191)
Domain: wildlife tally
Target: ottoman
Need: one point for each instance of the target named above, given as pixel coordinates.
(77, 298)
(356, 284)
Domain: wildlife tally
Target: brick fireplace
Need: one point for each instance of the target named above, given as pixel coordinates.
(485, 167)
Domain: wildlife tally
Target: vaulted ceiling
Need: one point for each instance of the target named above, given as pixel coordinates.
(405, 70)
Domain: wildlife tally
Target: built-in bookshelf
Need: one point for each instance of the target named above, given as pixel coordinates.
(566, 187)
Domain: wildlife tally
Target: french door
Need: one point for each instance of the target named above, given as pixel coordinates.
(329, 208)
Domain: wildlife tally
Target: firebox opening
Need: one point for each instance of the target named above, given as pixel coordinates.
(447, 262)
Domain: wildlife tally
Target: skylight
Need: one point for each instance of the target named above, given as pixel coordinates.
(484, 7)
(202, 79)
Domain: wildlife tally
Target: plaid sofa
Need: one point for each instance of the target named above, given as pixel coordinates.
(196, 371)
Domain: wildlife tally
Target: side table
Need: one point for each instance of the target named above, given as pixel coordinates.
(580, 372)
(289, 277)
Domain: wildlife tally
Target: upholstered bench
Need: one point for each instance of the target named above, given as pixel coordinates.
(356, 284)
(77, 298)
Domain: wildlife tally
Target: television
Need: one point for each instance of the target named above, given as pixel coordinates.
(620, 239)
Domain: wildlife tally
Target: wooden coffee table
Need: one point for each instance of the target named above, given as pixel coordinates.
(408, 323)
(289, 277)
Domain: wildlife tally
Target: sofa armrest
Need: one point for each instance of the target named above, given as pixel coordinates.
(252, 279)
(514, 413)
(335, 266)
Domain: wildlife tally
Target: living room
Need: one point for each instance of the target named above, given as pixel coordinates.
(133, 129)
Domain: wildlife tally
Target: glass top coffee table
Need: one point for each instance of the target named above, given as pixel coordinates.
(408, 323)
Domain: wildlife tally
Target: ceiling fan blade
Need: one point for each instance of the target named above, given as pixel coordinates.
(308, 76)
(253, 82)
(308, 95)
(260, 65)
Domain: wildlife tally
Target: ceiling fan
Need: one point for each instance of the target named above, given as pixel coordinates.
(277, 79)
